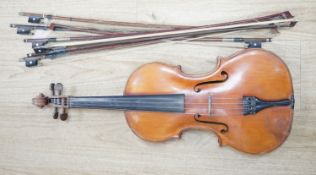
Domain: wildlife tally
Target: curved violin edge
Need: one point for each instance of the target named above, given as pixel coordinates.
(281, 142)
(177, 134)
(246, 133)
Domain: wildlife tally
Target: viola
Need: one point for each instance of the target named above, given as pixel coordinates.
(247, 101)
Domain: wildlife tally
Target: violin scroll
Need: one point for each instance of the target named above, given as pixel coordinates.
(59, 102)
(40, 101)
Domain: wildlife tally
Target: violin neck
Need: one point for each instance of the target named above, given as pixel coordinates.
(159, 103)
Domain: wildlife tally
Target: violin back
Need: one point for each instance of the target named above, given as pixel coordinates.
(218, 100)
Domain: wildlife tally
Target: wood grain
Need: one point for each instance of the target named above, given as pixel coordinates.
(100, 142)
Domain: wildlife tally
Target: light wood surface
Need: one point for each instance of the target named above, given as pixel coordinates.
(99, 141)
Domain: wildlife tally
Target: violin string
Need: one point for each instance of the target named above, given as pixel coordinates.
(214, 112)
(148, 104)
(216, 103)
(236, 98)
(218, 108)
(212, 108)
(176, 103)
(157, 98)
(166, 102)
(212, 103)
(214, 115)
(172, 107)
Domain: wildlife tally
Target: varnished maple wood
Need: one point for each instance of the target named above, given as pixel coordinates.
(251, 72)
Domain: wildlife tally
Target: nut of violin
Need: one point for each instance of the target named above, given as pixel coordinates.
(40, 101)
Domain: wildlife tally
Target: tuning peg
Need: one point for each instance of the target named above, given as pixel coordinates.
(63, 116)
(55, 115)
(52, 88)
(59, 88)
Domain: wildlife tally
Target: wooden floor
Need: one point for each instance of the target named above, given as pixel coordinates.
(100, 142)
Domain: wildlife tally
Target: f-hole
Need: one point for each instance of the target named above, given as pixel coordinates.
(223, 130)
(224, 78)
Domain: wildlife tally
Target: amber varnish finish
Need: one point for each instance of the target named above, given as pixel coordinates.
(251, 72)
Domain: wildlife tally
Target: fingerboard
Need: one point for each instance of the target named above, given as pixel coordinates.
(162, 103)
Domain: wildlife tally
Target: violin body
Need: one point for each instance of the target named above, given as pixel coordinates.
(217, 100)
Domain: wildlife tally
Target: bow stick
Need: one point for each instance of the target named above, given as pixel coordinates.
(26, 29)
(53, 52)
(38, 18)
(119, 40)
(283, 15)
(188, 32)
